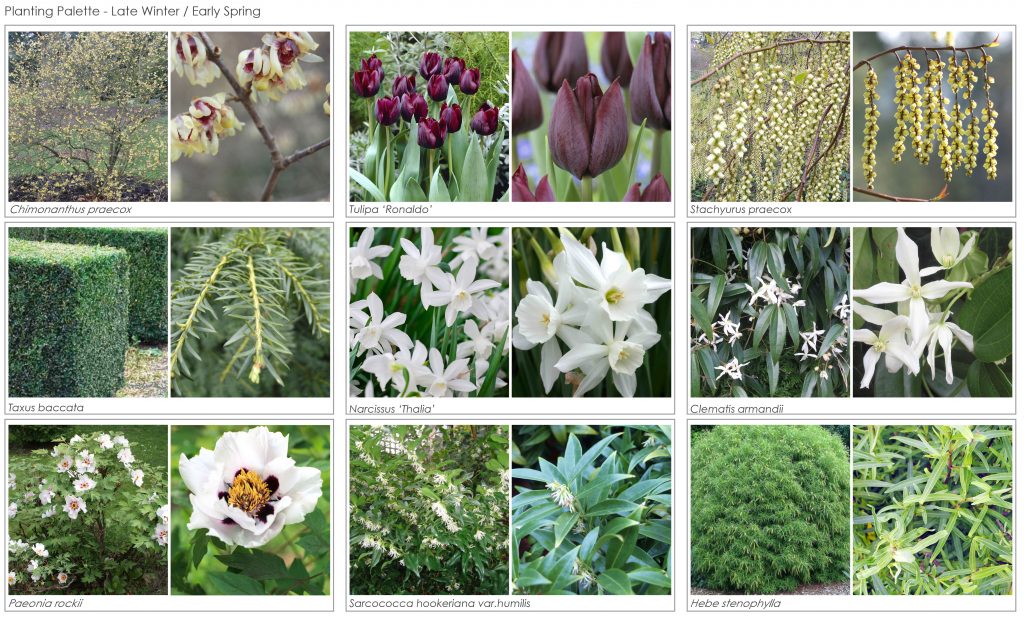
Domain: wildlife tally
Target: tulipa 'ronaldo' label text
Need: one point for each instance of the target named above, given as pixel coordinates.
(389, 209)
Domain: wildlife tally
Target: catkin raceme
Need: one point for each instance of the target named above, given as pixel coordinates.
(871, 115)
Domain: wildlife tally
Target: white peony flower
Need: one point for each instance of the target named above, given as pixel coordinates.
(12, 510)
(164, 514)
(83, 484)
(40, 550)
(160, 534)
(73, 505)
(137, 476)
(247, 489)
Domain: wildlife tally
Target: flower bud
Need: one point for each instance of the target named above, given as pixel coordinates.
(387, 110)
(413, 106)
(650, 89)
(615, 61)
(560, 56)
(469, 83)
(527, 113)
(430, 64)
(521, 188)
(485, 121)
(437, 88)
(588, 133)
(403, 84)
(430, 133)
(365, 82)
(190, 59)
(656, 191)
(451, 117)
(453, 68)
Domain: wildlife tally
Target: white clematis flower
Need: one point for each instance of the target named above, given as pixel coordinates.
(941, 333)
(732, 369)
(911, 289)
(946, 246)
(247, 489)
(891, 340)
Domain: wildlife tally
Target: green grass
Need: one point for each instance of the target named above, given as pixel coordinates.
(148, 443)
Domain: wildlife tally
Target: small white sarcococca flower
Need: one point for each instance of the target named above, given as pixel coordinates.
(247, 489)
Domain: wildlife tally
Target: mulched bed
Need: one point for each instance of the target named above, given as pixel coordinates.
(71, 188)
(145, 372)
(832, 588)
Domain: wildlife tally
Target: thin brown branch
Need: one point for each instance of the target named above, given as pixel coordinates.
(306, 152)
(891, 198)
(918, 48)
(738, 55)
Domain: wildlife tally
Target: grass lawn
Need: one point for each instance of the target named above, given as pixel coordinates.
(148, 443)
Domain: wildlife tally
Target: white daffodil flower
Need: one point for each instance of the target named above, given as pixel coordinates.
(619, 290)
(389, 367)
(604, 345)
(911, 289)
(732, 369)
(478, 245)
(419, 262)
(480, 343)
(361, 257)
(379, 333)
(941, 333)
(891, 340)
(946, 246)
(442, 381)
(247, 489)
(455, 294)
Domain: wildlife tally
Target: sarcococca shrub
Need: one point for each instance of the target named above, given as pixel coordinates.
(770, 508)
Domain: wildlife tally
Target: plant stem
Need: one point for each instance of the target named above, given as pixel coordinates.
(587, 189)
(369, 115)
(430, 159)
(387, 164)
(656, 152)
(451, 169)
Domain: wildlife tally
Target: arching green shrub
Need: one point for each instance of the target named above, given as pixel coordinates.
(770, 508)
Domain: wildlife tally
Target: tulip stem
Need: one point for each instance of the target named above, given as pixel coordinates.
(656, 152)
(451, 169)
(369, 115)
(387, 155)
(430, 167)
(587, 189)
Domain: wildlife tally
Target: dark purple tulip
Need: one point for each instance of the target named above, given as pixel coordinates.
(413, 106)
(527, 113)
(615, 61)
(366, 82)
(469, 83)
(453, 68)
(560, 56)
(588, 129)
(404, 84)
(451, 117)
(431, 133)
(387, 110)
(485, 121)
(373, 63)
(521, 188)
(430, 64)
(650, 90)
(437, 87)
(656, 191)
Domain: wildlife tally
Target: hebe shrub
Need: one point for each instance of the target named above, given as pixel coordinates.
(770, 508)
(147, 258)
(68, 319)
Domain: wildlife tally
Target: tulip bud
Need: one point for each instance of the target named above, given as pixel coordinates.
(615, 61)
(485, 121)
(373, 63)
(650, 89)
(560, 56)
(656, 191)
(387, 110)
(521, 188)
(413, 106)
(366, 82)
(451, 117)
(453, 68)
(431, 133)
(437, 88)
(403, 84)
(588, 130)
(527, 113)
(469, 83)
(430, 64)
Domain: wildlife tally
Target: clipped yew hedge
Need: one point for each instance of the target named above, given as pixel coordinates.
(771, 508)
(147, 261)
(67, 319)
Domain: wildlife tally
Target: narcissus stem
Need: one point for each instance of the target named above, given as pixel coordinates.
(656, 152)
(587, 189)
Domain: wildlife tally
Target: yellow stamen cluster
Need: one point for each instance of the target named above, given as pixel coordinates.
(248, 492)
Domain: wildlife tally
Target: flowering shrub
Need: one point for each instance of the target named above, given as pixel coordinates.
(87, 517)
(85, 115)
(769, 312)
(441, 140)
(613, 318)
(596, 521)
(770, 508)
(954, 316)
(586, 149)
(933, 510)
(445, 331)
(251, 515)
(219, 73)
(250, 312)
(428, 510)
